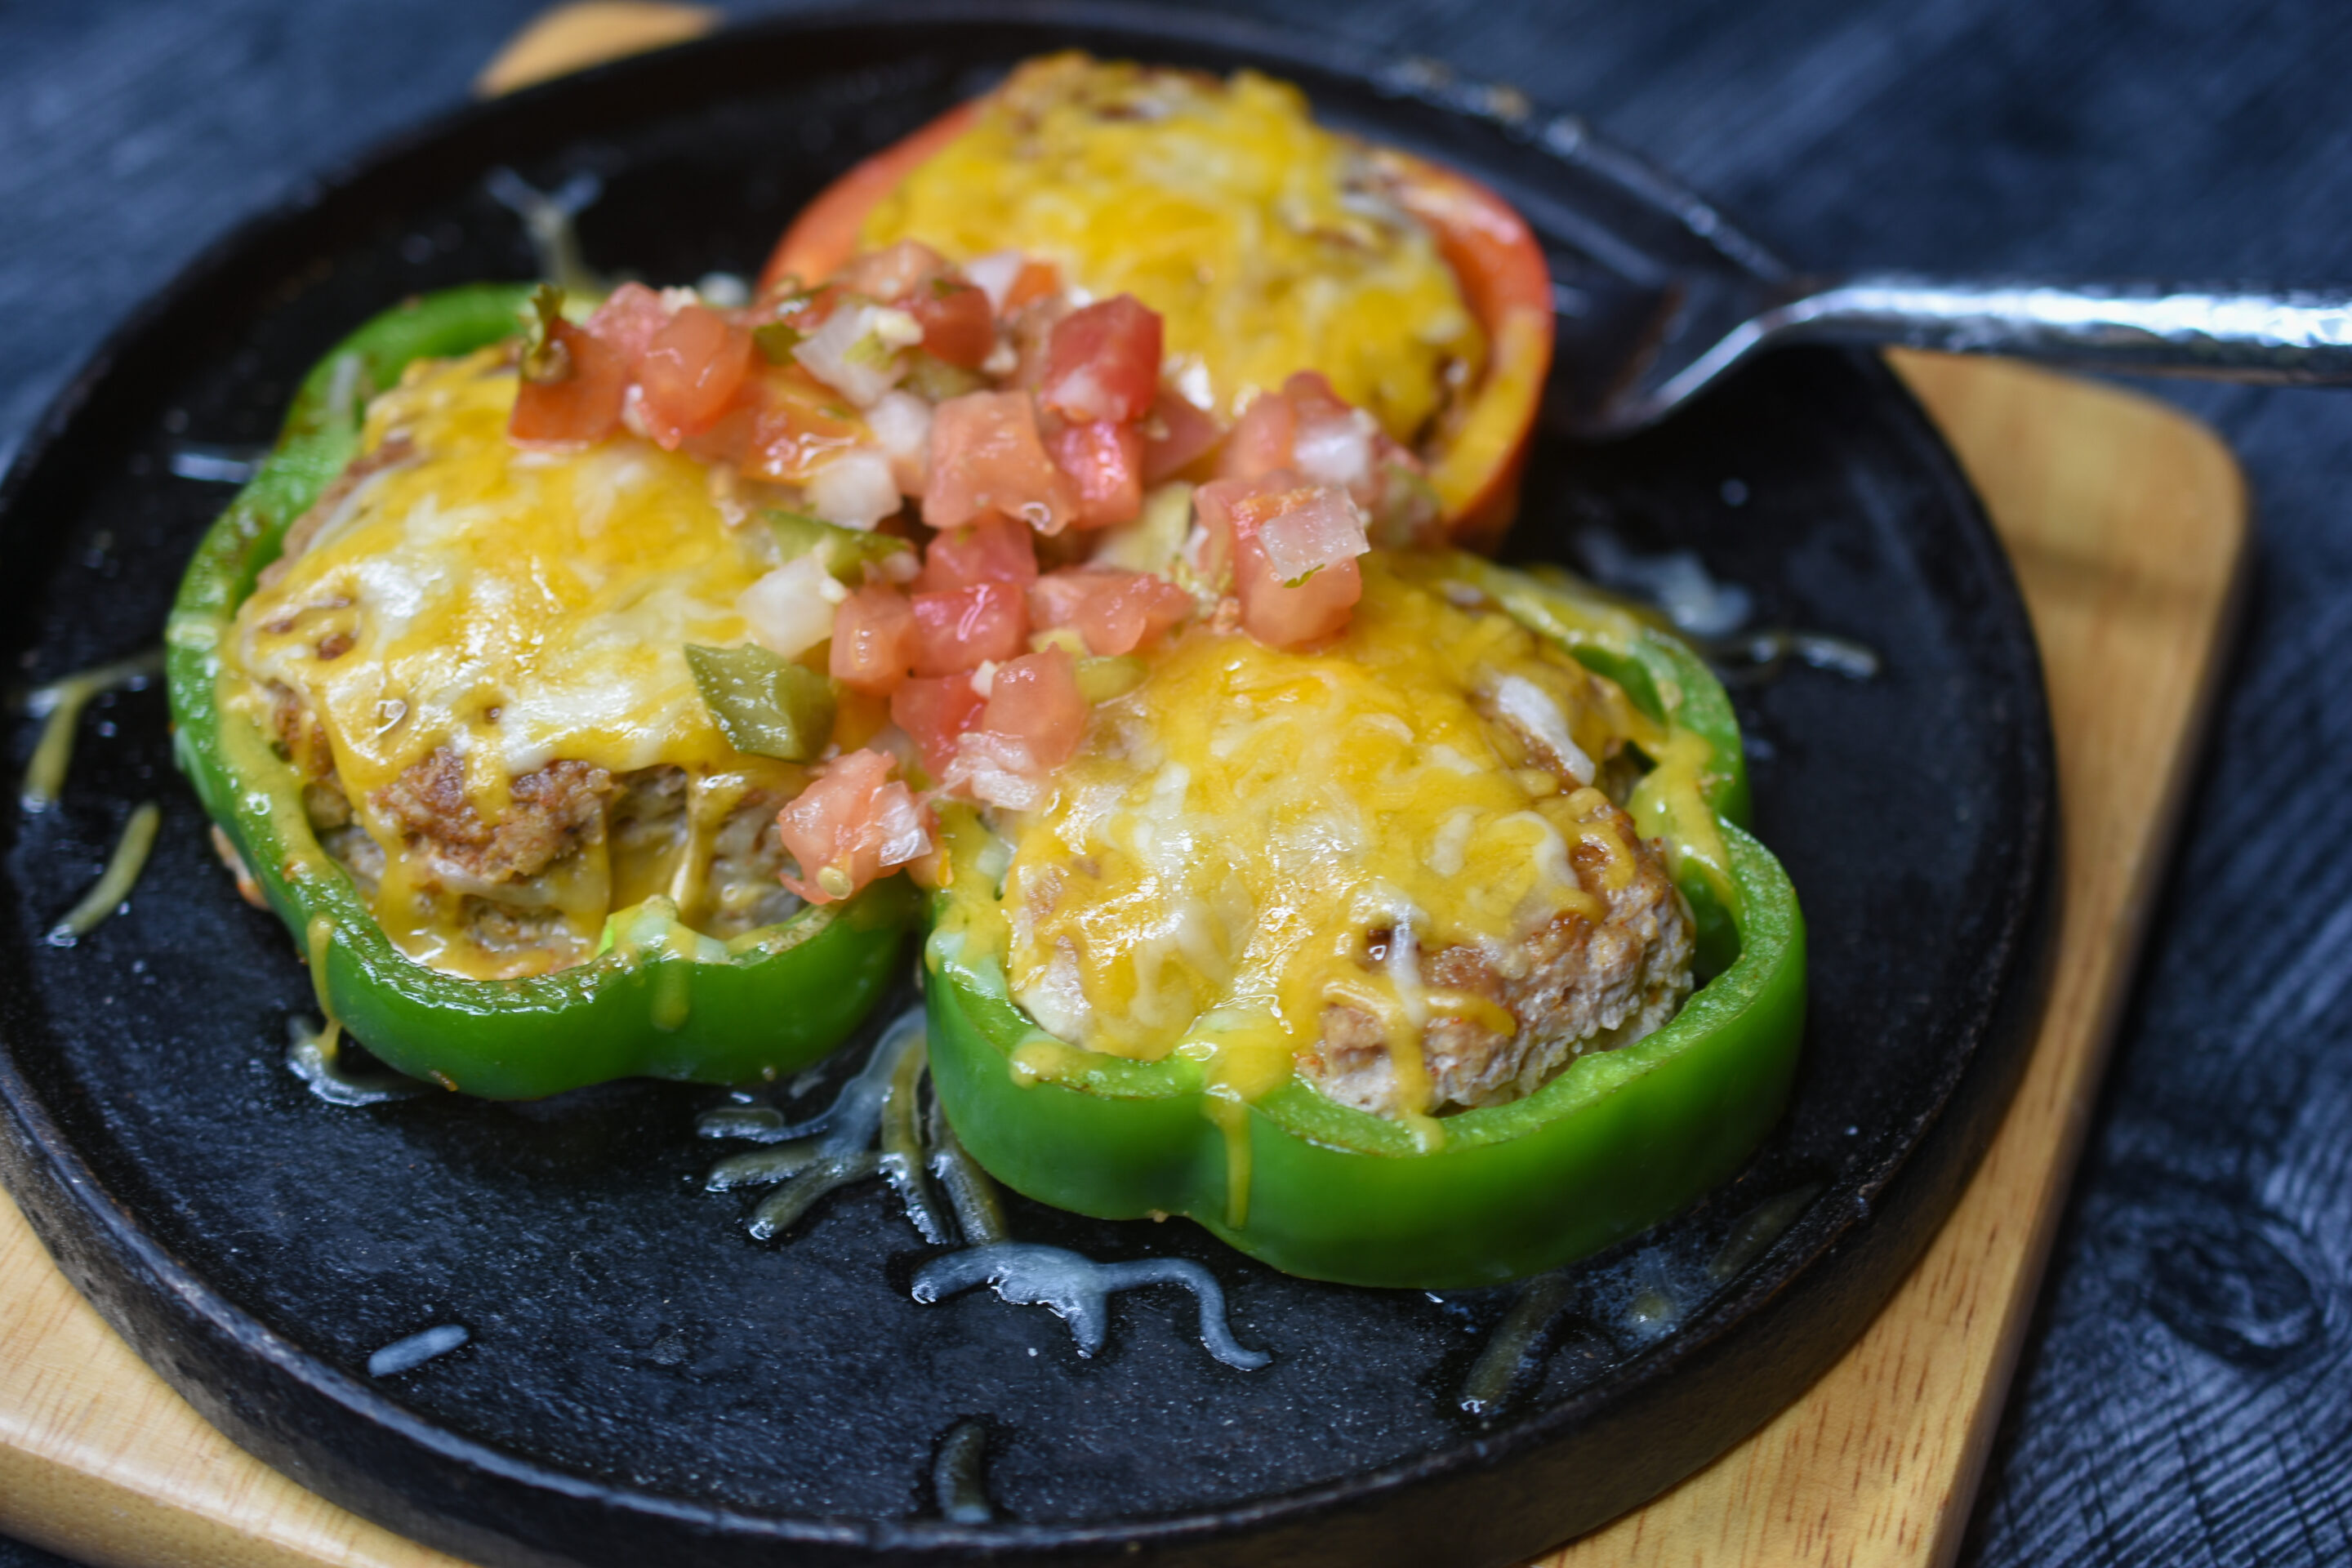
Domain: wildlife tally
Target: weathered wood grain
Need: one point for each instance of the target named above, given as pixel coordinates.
(572, 37)
(2127, 524)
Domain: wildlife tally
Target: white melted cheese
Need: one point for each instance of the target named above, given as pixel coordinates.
(513, 607)
(1209, 874)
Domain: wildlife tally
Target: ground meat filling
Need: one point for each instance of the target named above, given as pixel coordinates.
(1573, 987)
(554, 811)
(499, 868)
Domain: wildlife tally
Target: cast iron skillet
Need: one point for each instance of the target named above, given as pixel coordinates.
(643, 1383)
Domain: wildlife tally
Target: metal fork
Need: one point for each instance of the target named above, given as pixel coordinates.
(1632, 353)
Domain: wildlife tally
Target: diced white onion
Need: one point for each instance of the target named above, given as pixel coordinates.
(1080, 394)
(633, 413)
(994, 275)
(854, 489)
(901, 422)
(790, 610)
(1193, 384)
(856, 352)
(1337, 450)
(900, 822)
(1324, 530)
(996, 769)
(724, 290)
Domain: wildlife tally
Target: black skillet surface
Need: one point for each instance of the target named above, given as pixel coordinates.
(644, 1383)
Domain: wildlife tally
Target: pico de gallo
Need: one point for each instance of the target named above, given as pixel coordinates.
(1016, 430)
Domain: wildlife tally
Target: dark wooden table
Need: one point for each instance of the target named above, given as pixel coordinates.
(2187, 1394)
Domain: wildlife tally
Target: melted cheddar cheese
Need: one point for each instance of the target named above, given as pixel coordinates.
(512, 608)
(1207, 872)
(1264, 242)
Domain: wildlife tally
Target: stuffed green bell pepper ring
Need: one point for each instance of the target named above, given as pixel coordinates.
(1611, 1145)
(656, 997)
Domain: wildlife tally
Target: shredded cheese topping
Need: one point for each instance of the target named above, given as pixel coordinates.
(1206, 874)
(1263, 241)
(512, 608)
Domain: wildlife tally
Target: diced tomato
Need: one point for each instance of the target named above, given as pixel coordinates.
(1030, 328)
(957, 324)
(987, 456)
(631, 316)
(852, 823)
(582, 408)
(991, 549)
(874, 642)
(933, 713)
(1115, 612)
(1103, 362)
(692, 370)
(1260, 441)
(957, 630)
(1492, 252)
(1105, 462)
(1035, 280)
(797, 425)
(1175, 433)
(1307, 427)
(1311, 393)
(1280, 615)
(728, 438)
(1034, 700)
(892, 272)
(783, 423)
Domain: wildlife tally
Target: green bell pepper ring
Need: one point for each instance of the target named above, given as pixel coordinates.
(1615, 1143)
(658, 999)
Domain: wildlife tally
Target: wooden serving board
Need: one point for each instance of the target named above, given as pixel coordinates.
(2126, 521)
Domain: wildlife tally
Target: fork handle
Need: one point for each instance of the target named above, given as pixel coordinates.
(2246, 332)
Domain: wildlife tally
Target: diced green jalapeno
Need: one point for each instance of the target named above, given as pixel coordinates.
(844, 552)
(545, 358)
(764, 704)
(776, 341)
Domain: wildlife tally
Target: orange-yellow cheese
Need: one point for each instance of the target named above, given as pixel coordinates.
(1203, 877)
(1263, 240)
(514, 608)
